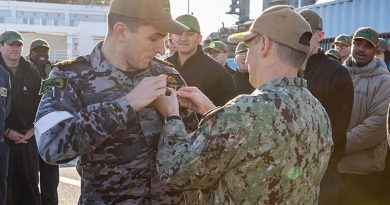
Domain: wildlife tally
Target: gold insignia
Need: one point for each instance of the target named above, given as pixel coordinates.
(171, 79)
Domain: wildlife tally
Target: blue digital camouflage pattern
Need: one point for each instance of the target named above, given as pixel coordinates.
(270, 147)
(90, 118)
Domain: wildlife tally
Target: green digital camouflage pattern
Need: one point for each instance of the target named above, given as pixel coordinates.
(270, 147)
(90, 119)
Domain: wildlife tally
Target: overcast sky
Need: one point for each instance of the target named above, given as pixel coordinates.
(211, 13)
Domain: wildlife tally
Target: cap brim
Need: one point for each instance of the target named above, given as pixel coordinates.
(45, 46)
(208, 49)
(9, 41)
(169, 26)
(333, 55)
(341, 43)
(241, 51)
(239, 37)
(366, 40)
(380, 49)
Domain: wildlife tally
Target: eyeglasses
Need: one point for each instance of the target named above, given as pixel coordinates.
(341, 46)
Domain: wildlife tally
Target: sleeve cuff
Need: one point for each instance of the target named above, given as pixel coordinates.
(174, 126)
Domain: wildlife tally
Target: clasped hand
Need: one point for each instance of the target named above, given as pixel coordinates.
(188, 97)
(153, 89)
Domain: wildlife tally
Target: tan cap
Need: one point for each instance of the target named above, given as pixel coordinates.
(313, 18)
(283, 25)
(368, 34)
(155, 12)
(218, 46)
(11, 36)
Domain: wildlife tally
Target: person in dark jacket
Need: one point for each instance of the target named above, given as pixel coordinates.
(384, 178)
(197, 68)
(331, 84)
(49, 175)
(5, 106)
(241, 78)
(24, 160)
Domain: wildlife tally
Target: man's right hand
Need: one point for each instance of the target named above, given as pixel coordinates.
(193, 99)
(146, 92)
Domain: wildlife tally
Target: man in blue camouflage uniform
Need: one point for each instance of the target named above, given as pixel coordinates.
(5, 107)
(270, 147)
(100, 107)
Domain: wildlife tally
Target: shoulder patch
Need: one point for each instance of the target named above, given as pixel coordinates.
(210, 114)
(63, 64)
(53, 83)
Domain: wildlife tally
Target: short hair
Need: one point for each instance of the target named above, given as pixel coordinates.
(131, 22)
(291, 56)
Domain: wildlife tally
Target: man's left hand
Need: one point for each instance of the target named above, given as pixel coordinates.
(167, 105)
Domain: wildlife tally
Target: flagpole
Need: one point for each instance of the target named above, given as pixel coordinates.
(188, 6)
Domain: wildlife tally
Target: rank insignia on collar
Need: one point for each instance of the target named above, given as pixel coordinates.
(53, 83)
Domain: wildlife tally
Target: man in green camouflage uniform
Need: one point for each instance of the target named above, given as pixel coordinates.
(270, 147)
(99, 107)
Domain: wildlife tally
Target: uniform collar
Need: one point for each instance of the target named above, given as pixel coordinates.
(285, 81)
(100, 64)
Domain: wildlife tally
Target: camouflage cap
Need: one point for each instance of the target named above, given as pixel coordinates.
(11, 36)
(334, 53)
(213, 36)
(154, 12)
(190, 21)
(368, 34)
(218, 46)
(281, 24)
(39, 43)
(313, 19)
(241, 47)
(343, 38)
(383, 45)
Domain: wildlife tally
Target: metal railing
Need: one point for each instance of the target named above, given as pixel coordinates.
(58, 55)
